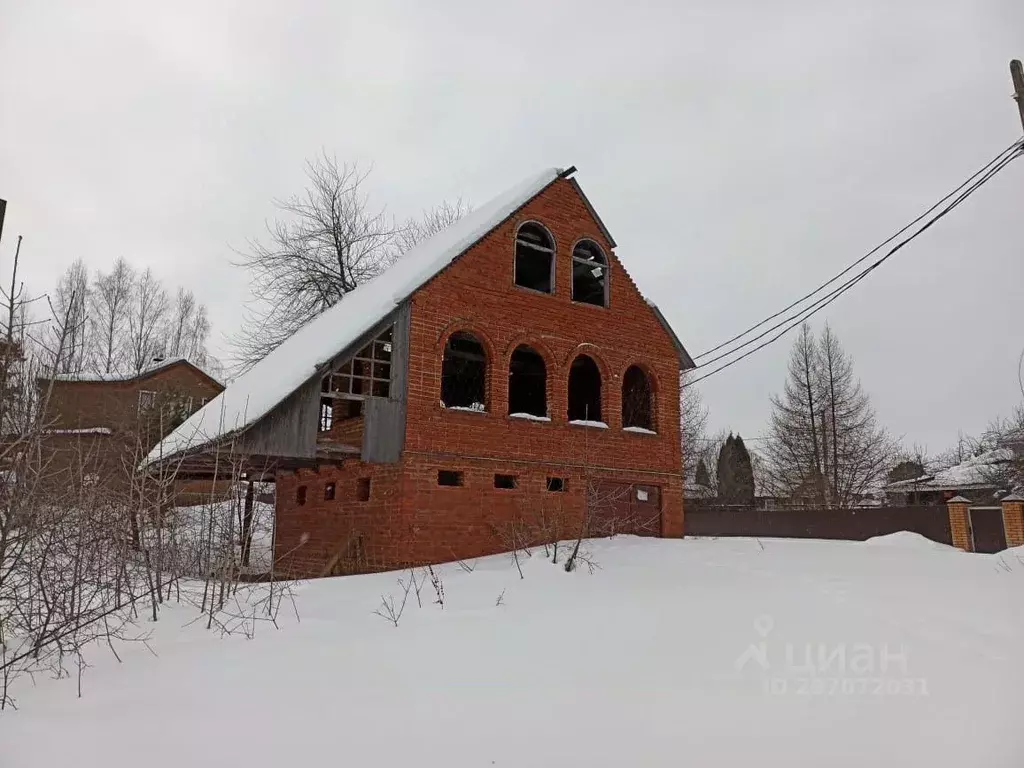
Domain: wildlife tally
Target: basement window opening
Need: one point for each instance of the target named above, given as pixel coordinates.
(535, 257)
(448, 477)
(527, 383)
(589, 274)
(507, 482)
(464, 373)
(363, 489)
(329, 491)
(637, 408)
(367, 373)
(556, 484)
(584, 390)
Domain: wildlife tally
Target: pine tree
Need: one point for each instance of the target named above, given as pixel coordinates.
(703, 477)
(743, 474)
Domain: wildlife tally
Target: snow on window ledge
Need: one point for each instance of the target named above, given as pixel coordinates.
(529, 417)
(639, 430)
(585, 423)
(474, 408)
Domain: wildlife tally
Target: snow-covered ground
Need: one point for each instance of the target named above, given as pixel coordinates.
(695, 652)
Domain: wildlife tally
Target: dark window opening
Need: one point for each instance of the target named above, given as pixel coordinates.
(584, 390)
(363, 489)
(464, 373)
(637, 409)
(505, 481)
(556, 484)
(589, 274)
(300, 495)
(535, 251)
(527, 383)
(326, 414)
(329, 490)
(367, 374)
(449, 477)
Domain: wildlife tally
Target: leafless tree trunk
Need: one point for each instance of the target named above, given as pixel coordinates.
(109, 299)
(147, 316)
(329, 241)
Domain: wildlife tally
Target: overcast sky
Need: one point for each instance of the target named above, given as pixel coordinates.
(739, 152)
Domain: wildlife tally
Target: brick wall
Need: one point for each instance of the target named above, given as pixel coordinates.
(410, 519)
(477, 294)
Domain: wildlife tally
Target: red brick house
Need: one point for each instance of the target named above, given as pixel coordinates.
(505, 381)
(99, 425)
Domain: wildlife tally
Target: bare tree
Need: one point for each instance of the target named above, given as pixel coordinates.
(328, 241)
(693, 423)
(70, 302)
(825, 444)
(189, 328)
(109, 302)
(147, 318)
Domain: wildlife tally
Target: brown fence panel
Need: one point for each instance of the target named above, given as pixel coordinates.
(850, 524)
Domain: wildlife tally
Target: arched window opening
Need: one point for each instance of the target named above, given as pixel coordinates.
(535, 251)
(527, 383)
(589, 274)
(637, 400)
(584, 390)
(464, 373)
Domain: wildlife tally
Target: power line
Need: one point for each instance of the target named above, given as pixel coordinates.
(1002, 156)
(807, 312)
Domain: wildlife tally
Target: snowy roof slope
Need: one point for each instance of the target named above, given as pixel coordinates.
(976, 471)
(147, 371)
(253, 394)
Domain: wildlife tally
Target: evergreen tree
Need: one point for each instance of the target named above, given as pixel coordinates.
(703, 477)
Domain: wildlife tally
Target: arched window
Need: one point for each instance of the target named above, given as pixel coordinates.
(527, 383)
(584, 390)
(535, 250)
(464, 373)
(589, 274)
(637, 399)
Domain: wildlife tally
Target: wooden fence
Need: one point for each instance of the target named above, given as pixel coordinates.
(851, 524)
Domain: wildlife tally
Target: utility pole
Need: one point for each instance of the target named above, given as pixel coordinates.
(1017, 75)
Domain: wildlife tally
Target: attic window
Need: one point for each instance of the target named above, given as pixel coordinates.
(367, 374)
(589, 274)
(147, 400)
(535, 252)
(464, 373)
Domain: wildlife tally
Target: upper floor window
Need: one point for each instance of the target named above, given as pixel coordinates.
(637, 400)
(464, 373)
(589, 274)
(535, 251)
(584, 390)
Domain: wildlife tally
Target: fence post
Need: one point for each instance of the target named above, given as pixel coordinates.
(1013, 519)
(959, 522)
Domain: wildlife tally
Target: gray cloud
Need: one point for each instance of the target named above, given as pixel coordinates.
(739, 152)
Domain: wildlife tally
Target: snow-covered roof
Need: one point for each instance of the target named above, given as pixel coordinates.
(253, 394)
(976, 472)
(149, 370)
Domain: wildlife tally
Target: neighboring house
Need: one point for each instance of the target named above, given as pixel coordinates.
(99, 426)
(502, 381)
(981, 479)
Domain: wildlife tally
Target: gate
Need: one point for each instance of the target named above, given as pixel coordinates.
(624, 508)
(987, 531)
